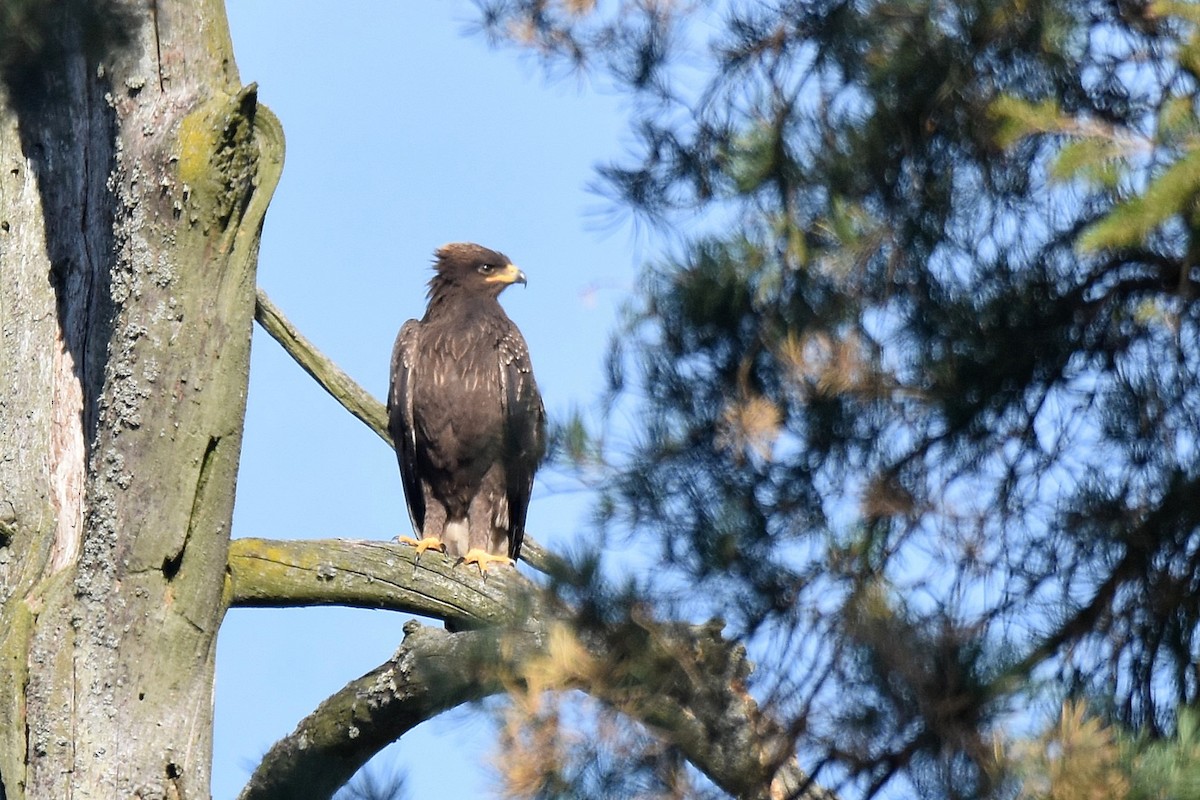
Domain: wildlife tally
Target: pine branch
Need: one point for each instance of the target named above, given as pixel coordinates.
(714, 723)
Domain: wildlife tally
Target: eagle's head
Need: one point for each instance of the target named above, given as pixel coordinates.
(472, 268)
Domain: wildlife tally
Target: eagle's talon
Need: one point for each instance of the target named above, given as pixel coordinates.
(426, 543)
(482, 559)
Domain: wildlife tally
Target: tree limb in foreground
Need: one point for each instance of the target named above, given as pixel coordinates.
(333, 742)
(714, 723)
(685, 682)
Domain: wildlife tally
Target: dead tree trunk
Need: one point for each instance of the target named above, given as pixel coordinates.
(134, 173)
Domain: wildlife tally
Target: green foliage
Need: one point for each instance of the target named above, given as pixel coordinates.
(1147, 165)
(1167, 769)
(1169, 195)
(573, 439)
(1017, 118)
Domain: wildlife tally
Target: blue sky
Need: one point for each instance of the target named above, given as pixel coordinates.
(403, 132)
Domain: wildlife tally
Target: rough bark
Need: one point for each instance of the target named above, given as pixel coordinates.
(431, 672)
(134, 173)
(367, 574)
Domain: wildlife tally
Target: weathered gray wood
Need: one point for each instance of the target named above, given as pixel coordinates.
(134, 173)
(369, 574)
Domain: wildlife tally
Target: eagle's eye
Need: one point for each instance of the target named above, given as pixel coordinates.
(486, 269)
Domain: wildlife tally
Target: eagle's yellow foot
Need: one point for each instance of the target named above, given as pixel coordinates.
(483, 558)
(427, 543)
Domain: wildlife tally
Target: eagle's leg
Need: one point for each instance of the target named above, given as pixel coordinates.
(487, 517)
(431, 527)
(482, 558)
(425, 543)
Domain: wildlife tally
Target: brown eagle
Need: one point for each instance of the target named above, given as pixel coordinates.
(465, 413)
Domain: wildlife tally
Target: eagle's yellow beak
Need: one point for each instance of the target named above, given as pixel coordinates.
(510, 274)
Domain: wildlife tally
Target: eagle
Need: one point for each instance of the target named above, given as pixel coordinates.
(465, 413)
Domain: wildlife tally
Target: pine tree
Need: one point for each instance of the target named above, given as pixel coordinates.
(919, 389)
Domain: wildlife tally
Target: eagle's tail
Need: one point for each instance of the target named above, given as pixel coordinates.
(456, 536)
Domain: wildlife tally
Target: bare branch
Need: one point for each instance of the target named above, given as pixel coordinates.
(424, 677)
(368, 574)
(357, 400)
(688, 683)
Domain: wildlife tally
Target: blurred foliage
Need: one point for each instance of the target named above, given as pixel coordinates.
(1078, 759)
(1169, 768)
(1081, 757)
(374, 783)
(567, 745)
(915, 406)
